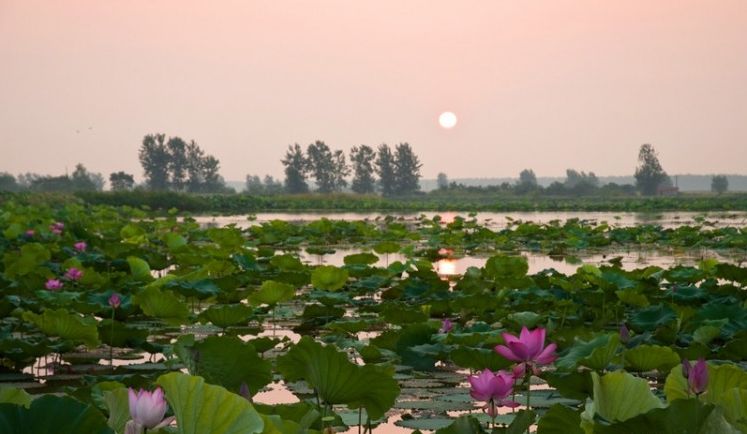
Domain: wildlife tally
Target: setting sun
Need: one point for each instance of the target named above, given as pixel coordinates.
(447, 120)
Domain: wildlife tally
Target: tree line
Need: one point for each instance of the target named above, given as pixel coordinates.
(392, 172)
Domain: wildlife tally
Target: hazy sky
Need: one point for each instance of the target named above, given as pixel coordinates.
(546, 84)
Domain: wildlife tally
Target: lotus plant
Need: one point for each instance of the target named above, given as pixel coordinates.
(624, 334)
(697, 376)
(80, 246)
(446, 326)
(114, 301)
(74, 274)
(53, 284)
(492, 388)
(57, 227)
(147, 410)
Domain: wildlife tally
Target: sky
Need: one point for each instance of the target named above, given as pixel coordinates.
(541, 84)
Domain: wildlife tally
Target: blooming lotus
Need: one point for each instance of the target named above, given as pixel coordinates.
(697, 376)
(80, 246)
(492, 387)
(147, 409)
(30, 233)
(57, 227)
(528, 348)
(74, 274)
(115, 300)
(446, 326)
(53, 284)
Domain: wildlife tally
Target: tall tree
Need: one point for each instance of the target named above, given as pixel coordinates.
(178, 163)
(325, 167)
(83, 180)
(271, 186)
(527, 181)
(406, 170)
(649, 174)
(719, 184)
(195, 161)
(340, 171)
(385, 170)
(296, 168)
(8, 182)
(121, 181)
(253, 185)
(362, 158)
(442, 181)
(213, 182)
(154, 157)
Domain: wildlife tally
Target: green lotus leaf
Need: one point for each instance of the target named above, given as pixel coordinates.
(139, 268)
(652, 317)
(161, 304)
(502, 267)
(272, 293)
(478, 359)
(644, 358)
(32, 256)
(133, 234)
(386, 247)
(174, 241)
(619, 396)
(13, 395)
(560, 419)
(596, 353)
(329, 277)
(52, 415)
(463, 425)
(361, 259)
(287, 262)
(228, 362)
(226, 315)
(66, 325)
(118, 405)
(339, 381)
(204, 408)
(727, 387)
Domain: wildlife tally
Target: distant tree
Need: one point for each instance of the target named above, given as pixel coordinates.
(8, 182)
(271, 186)
(362, 158)
(719, 184)
(406, 170)
(178, 163)
(328, 169)
(121, 181)
(442, 181)
(385, 170)
(340, 171)
(253, 185)
(195, 161)
(649, 175)
(296, 168)
(154, 157)
(83, 180)
(47, 183)
(527, 181)
(213, 182)
(581, 183)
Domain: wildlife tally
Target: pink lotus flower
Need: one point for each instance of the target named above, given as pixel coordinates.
(147, 408)
(53, 284)
(446, 326)
(697, 376)
(528, 348)
(73, 274)
(80, 246)
(624, 334)
(445, 252)
(492, 387)
(57, 227)
(30, 233)
(115, 300)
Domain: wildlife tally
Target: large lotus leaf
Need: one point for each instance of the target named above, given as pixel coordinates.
(619, 396)
(508, 271)
(727, 387)
(161, 304)
(229, 362)
(681, 417)
(139, 268)
(645, 358)
(200, 288)
(287, 262)
(226, 315)
(174, 241)
(560, 419)
(339, 381)
(596, 353)
(52, 415)
(329, 277)
(32, 256)
(652, 317)
(13, 395)
(386, 247)
(574, 385)
(133, 234)
(463, 425)
(204, 408)
(361, 259)
(118, 404)
(478, 359)
(272, 293)
(66, 325)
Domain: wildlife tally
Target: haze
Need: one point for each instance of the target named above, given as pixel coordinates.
(545, 85)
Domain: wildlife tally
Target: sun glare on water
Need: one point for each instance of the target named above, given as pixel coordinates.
(447, 120)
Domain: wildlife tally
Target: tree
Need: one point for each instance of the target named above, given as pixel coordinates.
(340, 171)
(253, 185)
(385, 170)
(581, 183)
(527, 181)
(83, 180)
(719, 184)
(178, 163)
(442, 181)
(8, 182)
(195, 160)
(362, 158)
(271, 186)
(154, 157)
(296, 168)
(649, 175)
(328, 169)
(213, 182)
(406, 170)
(121, 181)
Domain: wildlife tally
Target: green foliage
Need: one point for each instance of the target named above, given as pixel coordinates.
(164, 305)
(329, 277)
(66, 325)
(51, 414)
(272, 293)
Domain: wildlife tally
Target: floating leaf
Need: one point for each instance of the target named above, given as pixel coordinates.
(161, 304)
(66, 325)
(329, 277)
(645, 358)
(272, 293)
(52, 415)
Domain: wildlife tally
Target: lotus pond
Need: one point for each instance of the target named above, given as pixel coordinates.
(115, 320)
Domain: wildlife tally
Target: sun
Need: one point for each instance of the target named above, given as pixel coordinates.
(447, 120)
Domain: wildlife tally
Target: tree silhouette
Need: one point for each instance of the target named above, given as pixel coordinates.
(296, 168)
(362, 158)
(649, 175)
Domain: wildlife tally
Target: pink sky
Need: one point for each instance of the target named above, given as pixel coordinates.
(545, 84)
